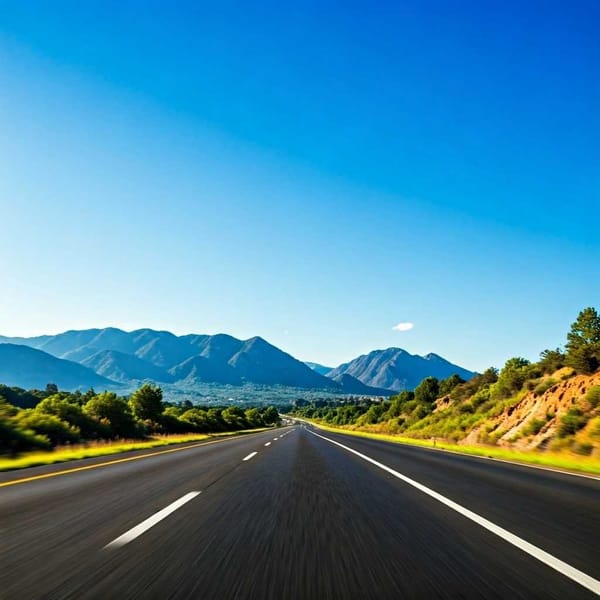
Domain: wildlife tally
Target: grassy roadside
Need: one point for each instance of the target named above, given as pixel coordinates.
(94, 449)
(558, 460)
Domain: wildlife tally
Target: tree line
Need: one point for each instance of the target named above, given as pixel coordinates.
(37, 419)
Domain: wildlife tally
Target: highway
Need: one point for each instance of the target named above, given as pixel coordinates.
(298, 513)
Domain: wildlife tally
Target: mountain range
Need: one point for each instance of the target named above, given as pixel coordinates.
(116, 359)
(30, 368)
(396, 369)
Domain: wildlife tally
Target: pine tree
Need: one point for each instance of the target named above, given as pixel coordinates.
(583, 342)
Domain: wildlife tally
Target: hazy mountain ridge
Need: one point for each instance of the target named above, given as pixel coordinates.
(351, 385)
(121, 357)
(122, 367)
(161, 356)
(30, 368)
(396, 369)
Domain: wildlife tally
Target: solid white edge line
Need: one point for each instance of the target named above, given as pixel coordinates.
(268, 444)
(488, 458)
(136, 531)
(519, 464)
(251, 455)
(548, 559)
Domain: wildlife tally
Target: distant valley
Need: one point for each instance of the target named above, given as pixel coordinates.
(115, 359)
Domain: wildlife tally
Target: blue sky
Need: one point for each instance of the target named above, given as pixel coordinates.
(313, 173)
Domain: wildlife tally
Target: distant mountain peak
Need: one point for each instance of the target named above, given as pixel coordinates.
(258, 340)
(164, 357)
(396, 369)
(127, 357)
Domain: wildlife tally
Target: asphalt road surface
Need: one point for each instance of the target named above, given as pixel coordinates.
(294, 513)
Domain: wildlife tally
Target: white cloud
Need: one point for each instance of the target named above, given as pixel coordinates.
(404, 326)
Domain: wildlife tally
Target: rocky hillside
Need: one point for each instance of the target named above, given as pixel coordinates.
(551, 404)
(567, 413)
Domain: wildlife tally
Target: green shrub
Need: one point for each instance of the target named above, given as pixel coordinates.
(50, 426)
(551, 360)
(486, 407)
(480, 397)
(582, 448)
(112, 414)
(593, 396)
(533, 427)
(14, 439)
(559, 444)
(496, 435)
(595, 429)
(571, 422)
(421, 411)
(514, 374)
(544, 386)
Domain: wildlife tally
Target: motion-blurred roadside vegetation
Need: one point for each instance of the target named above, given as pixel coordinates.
(44, 419)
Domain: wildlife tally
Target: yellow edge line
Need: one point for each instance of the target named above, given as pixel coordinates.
(107, 463)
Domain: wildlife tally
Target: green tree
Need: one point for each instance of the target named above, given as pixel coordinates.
(198, 418)
(271, 415)
(215, 420)
(173, 411)
(253, 417)
(13, 439)
(170, 423)
(146, 403)
(50, 426)
(114, 412)
(583, 342)
(234, 418)
(67, 409)
(511, 378)
(397, 404)
(427, 391)
(551, 360)
(448, 384)
(51, 388)
(374, 414)
(19, 397)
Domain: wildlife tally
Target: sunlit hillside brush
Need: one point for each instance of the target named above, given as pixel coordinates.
(552, 405)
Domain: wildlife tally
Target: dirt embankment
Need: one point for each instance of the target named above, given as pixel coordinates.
(534, 421)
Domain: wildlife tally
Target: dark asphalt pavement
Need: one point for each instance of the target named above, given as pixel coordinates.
(302, 518)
